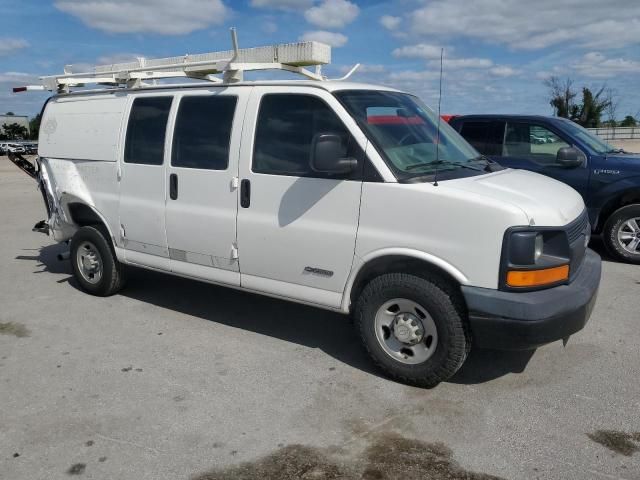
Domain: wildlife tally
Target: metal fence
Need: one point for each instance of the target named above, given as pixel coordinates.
(617, 133)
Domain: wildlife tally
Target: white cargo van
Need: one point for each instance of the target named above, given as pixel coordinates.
(345, 196)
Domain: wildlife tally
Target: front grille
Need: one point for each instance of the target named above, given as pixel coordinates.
(578, 227)
(576, 233)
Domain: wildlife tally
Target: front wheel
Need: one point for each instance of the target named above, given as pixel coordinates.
(94, 262)
(413, 328)
(621, 234)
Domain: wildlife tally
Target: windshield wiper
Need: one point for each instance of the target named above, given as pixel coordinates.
(442, 162)
(617, 150)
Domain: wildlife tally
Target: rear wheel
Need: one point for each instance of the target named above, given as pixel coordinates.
(94, 262)
(621, 234)
(413, 328)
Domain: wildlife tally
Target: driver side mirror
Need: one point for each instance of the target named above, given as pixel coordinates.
(570, 157)
(328, 155)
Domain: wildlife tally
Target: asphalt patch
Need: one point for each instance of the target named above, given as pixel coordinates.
(12, 328)
(620, 442)
(77, 469)
(388, 456)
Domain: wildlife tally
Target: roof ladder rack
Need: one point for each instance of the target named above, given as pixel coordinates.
(290, 57)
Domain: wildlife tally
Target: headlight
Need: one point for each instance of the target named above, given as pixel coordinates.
(534, 259)
(539, 245)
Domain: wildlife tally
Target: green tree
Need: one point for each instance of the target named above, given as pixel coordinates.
(589, 113)
(561, 95)
(9, 113)
(629, 121)
(15, 131)
(34, 126)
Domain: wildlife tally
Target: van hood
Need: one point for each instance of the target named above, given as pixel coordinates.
(545, 201)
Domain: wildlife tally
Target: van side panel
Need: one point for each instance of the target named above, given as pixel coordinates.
(79, 145)
(82, 127)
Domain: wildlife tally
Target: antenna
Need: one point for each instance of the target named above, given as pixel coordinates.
(435, 176)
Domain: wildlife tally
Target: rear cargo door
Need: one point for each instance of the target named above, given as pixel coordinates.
(202, 201)
(142, 182)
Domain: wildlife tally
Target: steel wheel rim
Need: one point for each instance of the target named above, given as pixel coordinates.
(629, 235)
(89, 262)
(406, 331)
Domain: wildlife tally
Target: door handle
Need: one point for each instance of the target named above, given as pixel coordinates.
(173, 186)
(245, 193)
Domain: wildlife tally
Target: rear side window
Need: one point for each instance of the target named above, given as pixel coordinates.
(203, 132)
(146, 130)
(486, 137)
(287, 124)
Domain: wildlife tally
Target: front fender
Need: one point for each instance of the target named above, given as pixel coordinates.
(360, 262)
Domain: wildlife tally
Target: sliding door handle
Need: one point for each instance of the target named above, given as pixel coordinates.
(245, 193)
(173, 186)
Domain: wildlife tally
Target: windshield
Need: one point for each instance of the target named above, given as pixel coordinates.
(589, 139)
(405, 131)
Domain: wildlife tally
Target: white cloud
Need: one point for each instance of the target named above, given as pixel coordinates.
(332, 14)
(118, 58)
(522, 25)
(282, 4)
(421, 50)
(9, 46)
(364, 68)
(390, 22)
(405, 77)
(166, 17)
(330, 38)
(503, 71)
(462, 63)
(17, 77)
(269, 27)
(597, 65)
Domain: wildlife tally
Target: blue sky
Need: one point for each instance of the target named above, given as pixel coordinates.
(497, 52)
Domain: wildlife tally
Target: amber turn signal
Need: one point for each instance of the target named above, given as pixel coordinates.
(537, 278)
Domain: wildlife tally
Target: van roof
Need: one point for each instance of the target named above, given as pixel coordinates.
(330, 86)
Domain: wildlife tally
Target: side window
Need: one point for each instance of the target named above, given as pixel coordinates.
(486, 137)
(287, 125)
(203, 132)
(534, 142)
(476, 134)
(495, 138)
(146, 130)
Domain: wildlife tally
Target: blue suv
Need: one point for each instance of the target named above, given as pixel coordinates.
(607, 178)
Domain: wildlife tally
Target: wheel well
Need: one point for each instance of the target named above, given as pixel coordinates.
(627, 198)
(401, 264)
(83, 215)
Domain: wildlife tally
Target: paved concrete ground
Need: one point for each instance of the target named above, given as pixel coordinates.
(175, 379)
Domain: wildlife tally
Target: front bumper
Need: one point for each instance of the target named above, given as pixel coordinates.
(527, 320)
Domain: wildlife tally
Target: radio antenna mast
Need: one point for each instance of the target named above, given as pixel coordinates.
(435, 176)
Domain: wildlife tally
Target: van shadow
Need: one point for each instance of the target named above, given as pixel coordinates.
(332, 333)
(597, 245)
(301, 196)
(46, 261)
(484, 365)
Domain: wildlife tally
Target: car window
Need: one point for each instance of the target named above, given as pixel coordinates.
(486, 137)
(203, 132)
(533, 142)
(287, 125)
(146, 130)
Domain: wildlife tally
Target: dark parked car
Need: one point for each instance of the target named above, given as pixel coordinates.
(608, 178)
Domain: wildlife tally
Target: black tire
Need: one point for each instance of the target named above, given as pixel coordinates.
(112, 273)
(445, 307)
(610, 233)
